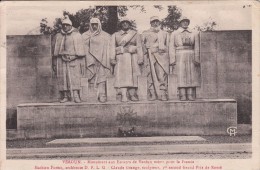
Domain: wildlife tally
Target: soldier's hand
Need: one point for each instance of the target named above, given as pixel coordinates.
(113, 62)
(126, 49)
(71, 57)
(147, 46)
(140, 62)
(65, 58)
(173, 64)
(162, 50)
(196, 63)
(54, 68)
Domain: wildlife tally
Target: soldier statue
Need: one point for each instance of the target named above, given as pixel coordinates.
(184, 56)
(69, 61)
(127, 56)
(156, 48)
(97, 55)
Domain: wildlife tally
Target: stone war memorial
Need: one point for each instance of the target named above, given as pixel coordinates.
(128, 84)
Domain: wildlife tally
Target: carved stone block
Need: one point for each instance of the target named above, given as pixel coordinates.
(200, 117)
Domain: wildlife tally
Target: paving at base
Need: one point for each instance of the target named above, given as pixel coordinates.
(125, 140)
(142, 147)
(139, 150)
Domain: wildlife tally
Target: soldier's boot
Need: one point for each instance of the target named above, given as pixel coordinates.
(133, 95)
(182, 94)
(65, 97)
(124, 95)
(153, 95)
(191, 93)
(163, 95)
(76, 96)
(102, 97)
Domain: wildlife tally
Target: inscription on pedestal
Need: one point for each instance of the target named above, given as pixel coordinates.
(126, 119)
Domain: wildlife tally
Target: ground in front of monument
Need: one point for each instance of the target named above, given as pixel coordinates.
(134, 148)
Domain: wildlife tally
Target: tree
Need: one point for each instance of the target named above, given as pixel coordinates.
(109, 17)
(112, 19)
(171, 22)
(44, 29)
(209, 25)
(81, 19)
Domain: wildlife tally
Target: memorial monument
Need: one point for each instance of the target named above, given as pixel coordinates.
(118, 99)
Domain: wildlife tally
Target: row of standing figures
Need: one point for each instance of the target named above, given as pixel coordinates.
(90, 58)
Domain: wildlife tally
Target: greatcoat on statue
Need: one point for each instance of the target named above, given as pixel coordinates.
(97, 56)
(156, 44)
(69, 62)
(126, 50)
(184, 53)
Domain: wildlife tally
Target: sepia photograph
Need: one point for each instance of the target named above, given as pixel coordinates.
(130, 85)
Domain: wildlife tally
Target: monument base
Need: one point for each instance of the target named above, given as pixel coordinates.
(112, 119)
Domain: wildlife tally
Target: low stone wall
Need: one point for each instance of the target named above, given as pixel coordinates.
(202, 117)
(226, 68)
(29, 73)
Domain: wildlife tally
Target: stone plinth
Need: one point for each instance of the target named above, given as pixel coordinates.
(201, 117)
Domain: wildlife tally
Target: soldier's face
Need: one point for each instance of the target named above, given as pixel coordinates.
(125, 25)
(94, 26)
(155, 23)
(184, 24)
(66, 27)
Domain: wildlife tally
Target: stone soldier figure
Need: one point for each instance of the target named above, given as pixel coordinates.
(156, 45)
(127, 55)
(184, 56)
(69, 61)
(97, 56)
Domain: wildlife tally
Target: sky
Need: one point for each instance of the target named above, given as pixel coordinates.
(22, 18)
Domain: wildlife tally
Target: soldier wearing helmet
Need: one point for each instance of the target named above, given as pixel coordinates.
(184, 56)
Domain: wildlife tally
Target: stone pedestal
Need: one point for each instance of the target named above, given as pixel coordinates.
(201, 117)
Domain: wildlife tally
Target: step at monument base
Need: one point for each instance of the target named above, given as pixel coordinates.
(112, 119)
(125, 140)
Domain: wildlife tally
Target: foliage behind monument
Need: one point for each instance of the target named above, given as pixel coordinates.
(109, 17)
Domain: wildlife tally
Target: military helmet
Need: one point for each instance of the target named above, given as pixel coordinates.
(125, 19)
(66, 20)
(184, 18)
(153, 18)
